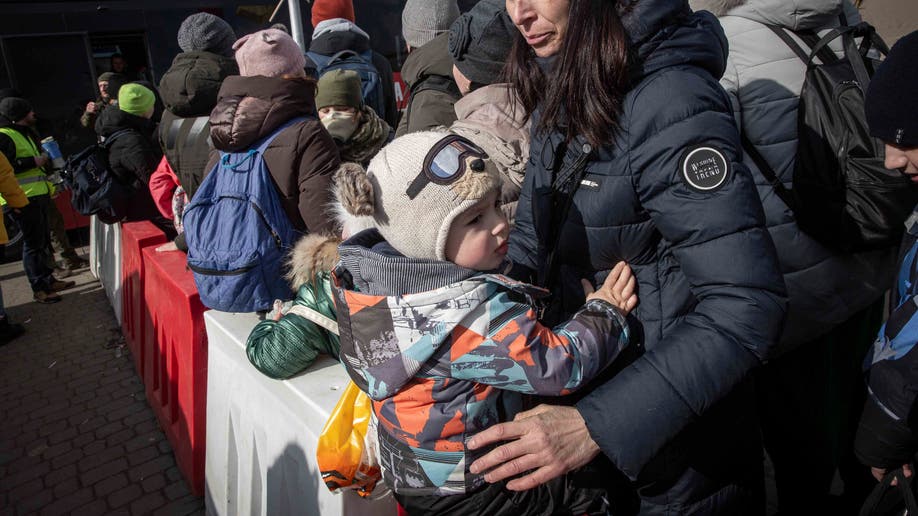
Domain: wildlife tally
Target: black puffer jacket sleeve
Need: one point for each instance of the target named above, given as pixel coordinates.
(719, 240)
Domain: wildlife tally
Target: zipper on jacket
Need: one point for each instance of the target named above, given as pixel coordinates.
(214, 272)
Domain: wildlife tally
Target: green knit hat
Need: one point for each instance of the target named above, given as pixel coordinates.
(339, 88)
(135, 99)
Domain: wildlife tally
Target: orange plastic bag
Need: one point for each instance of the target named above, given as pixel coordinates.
(345, 454)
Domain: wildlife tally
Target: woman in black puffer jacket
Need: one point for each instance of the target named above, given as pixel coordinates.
(635, 156)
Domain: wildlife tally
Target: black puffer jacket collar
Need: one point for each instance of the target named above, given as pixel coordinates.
(250, 108)
(113, 119)
(190, 87)
(665, 33)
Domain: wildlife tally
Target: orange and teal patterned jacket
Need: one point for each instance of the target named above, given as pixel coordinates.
(445, 352)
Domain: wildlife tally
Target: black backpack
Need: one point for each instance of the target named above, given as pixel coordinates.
(96, 189)
(843, 195)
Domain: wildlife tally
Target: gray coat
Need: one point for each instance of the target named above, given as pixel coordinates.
(764, 79)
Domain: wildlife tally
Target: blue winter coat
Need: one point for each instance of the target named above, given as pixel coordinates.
(680, 419)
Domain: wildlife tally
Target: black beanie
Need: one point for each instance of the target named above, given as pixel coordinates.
(480, 41)
(15, 108)
(892, 98)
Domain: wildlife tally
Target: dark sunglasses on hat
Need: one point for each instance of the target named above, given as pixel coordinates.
(448, 160)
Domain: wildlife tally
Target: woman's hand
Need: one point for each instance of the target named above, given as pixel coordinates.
(547, 441)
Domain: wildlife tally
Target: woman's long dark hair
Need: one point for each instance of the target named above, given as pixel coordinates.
(590, 76)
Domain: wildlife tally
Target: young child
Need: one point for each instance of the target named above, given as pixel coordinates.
(443, 344)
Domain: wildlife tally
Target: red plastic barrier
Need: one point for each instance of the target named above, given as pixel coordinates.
(72, 218)
(134, 237)
(175, 367)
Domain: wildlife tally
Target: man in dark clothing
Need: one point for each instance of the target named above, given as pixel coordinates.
(428, 70)
(133, 155)
(887, 438)
(109, 83)
(18, 142)
(336, 34)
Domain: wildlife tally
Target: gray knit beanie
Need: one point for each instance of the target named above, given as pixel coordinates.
(208, 33)
(423, 20)
(480, 41)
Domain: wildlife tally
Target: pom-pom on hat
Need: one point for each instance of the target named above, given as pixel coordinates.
(416, 186)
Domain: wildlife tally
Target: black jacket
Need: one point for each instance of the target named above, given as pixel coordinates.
(680, 419)
(132, 157)
(331, 43)
(428, 73)
(189, 90)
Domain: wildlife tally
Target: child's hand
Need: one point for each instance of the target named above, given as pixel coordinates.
(618, 289)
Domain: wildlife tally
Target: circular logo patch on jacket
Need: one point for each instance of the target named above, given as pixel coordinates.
(704, 168)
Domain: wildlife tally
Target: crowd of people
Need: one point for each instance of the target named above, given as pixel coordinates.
(567, 273)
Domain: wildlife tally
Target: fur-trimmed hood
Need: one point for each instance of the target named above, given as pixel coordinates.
(312, 254)
(792, 14)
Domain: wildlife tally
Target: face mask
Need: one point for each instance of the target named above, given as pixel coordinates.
(340, 125)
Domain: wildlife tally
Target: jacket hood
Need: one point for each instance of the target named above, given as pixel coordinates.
(333, 36)
(665, 33)
(791, 14)
(191, 85)
(250, 108)
(487, 117)
(430, 59)
(113, 119)
(313, 254)
(418, 303)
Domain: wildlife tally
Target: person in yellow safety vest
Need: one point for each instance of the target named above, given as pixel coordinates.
(16, 199)
(18, 144)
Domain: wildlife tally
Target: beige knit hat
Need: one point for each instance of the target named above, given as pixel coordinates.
(416, 186)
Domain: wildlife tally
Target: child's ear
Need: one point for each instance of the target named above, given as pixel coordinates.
(353, 190)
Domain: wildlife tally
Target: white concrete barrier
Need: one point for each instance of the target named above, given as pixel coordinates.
(105, 260)
(262, 433)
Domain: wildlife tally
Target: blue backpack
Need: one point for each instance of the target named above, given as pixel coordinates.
(362, 63)
(238, 233)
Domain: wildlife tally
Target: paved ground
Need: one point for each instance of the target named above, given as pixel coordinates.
(76, 432)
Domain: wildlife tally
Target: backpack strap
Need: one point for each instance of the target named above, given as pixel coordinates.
(315, 317)
(780, 190)
(789, 41)
(114, 136)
